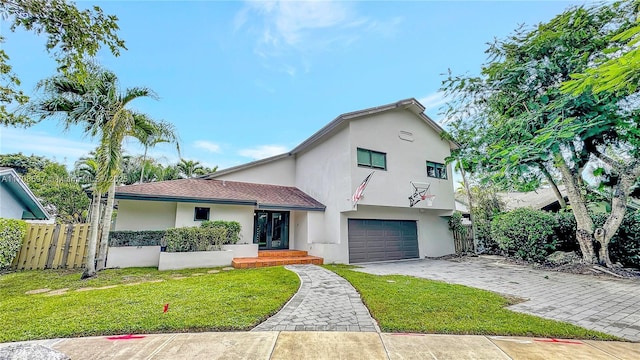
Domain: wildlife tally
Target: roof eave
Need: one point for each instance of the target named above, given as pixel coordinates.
(262, 206)
(40, 210)
(152, 197)
(244, 166)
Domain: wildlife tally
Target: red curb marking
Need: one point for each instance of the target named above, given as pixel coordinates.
(125, 337)
(559, 341)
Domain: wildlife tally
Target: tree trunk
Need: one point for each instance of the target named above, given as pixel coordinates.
(619, 198)
(554, 186)
(106, 226)
(90, 266)
(584, 231)
(144, 160)
(470, 201)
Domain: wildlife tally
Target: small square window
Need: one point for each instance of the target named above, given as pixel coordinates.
(372, 159)
(201, 214)
(436, 170)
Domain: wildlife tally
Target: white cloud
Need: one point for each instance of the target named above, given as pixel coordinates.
(434, 106)
(207, 145)
(433, 101)
(287, 21)
(41, 143)
(263, 151)
(301, 28)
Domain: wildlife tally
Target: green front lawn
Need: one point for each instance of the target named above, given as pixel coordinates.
(409, 304)
(228, 300)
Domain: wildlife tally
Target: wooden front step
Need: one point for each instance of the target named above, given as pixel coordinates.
(281, 253)
(248, 263)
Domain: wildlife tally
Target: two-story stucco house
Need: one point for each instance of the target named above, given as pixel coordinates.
(303, 199)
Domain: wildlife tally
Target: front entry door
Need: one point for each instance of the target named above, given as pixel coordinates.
(271, 229)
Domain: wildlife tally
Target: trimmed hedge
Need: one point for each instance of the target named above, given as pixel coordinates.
(136, 238)
(233, 229)
(186, 239)
(525, 233)
(12, 232)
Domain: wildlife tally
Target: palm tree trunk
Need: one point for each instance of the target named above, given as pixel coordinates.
(144, 160)
(106, 226)
(90, 266)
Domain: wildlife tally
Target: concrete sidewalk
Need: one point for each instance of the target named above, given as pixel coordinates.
(336, 345)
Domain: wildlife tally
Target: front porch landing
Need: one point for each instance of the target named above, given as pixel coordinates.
(276, 258)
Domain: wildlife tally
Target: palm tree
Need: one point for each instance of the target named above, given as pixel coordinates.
(189, 168)
(100, 107)
(163, 132)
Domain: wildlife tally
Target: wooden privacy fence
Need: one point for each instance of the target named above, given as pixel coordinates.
(53, 246)
(463, 239)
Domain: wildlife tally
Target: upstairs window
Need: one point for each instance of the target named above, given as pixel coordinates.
(372, 159)
(201, 213)
(436, 170)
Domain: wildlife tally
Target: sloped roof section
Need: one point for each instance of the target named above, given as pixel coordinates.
(221, 192)
(538, 199)
(411, 104)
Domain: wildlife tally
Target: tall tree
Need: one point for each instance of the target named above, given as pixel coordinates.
(526, 119)
(162, 132)
(189, 168)
(59, 193)
(72, 35)
(101, 108)
(22, 164)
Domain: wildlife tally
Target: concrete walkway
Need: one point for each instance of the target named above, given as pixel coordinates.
(604, 304)
(318, 345)
(324, 302)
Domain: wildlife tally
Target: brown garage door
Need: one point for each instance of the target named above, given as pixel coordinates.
(380, 240)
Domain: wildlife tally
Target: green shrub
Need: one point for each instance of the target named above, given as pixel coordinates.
(525, 233)
(625, 244)
(232, 227)
(136, 238)
(12, 233)
(186, 239)
(566, 232)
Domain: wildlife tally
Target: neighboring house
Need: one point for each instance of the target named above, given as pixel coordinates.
(540, 199)
(16, 200)
(302, 199)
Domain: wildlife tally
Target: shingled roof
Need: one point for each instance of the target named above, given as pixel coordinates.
(221, 192)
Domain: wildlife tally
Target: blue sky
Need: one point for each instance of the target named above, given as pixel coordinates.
(247, 80)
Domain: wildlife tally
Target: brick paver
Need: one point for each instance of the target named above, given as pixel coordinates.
(324, 302)
(604, 304)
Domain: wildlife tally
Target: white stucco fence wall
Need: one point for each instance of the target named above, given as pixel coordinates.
(196, 259)
(133, 256)
(149, 256)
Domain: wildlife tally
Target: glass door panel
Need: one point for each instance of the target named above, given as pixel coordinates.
(271, 229)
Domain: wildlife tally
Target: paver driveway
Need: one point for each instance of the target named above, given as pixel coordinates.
(324, 302)
(608, 305)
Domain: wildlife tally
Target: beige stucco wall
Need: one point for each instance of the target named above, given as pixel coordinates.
(278, 172)
(323, 173)
(145, 215)
(242, 214)
(406, 160)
